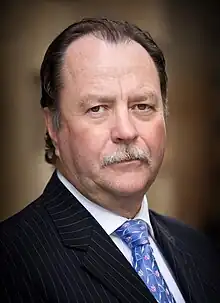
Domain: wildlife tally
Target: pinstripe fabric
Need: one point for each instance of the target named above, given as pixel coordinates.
(54, 251)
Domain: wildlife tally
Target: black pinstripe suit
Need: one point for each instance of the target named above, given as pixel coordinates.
(55, 251)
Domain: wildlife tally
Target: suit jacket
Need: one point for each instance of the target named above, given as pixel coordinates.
(55, 251)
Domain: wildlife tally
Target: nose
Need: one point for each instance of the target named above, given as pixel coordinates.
(124, 130)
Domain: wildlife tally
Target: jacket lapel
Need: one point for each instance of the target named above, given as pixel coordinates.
(101, 258)
(181, 262)
(104, 261)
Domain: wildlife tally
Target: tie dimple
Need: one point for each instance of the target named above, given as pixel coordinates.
(133, 234)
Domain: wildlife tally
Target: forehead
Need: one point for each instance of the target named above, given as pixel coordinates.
(93, 63)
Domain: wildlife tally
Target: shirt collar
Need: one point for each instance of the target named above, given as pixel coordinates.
(107, 219)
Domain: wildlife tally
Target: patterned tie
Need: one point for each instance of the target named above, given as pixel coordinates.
(135, 234)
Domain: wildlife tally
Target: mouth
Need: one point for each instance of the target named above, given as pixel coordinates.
(128, 162)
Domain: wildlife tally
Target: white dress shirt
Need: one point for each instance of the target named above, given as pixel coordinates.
(111, 221)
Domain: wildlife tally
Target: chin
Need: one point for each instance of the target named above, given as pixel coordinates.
(125, 183)
(129, 187)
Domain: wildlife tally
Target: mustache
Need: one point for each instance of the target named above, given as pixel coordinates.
(127, 153)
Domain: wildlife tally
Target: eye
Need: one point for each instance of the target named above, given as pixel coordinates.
(142, 107)
(97, 109)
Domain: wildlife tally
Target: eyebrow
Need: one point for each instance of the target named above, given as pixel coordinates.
(144, 96)
(90, 98)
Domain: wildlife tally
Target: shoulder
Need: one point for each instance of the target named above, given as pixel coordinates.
(27, 242)
(192, 239)
(33, 218)
(25, 230)
(32, 213)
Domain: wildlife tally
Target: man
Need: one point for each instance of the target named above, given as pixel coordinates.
(90, 236)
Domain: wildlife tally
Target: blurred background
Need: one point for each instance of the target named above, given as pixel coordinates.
(188, 33)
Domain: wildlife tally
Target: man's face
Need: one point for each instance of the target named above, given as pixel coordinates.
(112, 133)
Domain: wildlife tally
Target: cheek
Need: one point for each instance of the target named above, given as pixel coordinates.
(81, 143)
(155, 137)
(159, 140)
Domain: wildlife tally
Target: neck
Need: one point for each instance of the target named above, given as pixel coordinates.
(127, 206)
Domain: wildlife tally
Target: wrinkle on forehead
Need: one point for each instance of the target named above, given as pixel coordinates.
(94, 64)
(91, 51)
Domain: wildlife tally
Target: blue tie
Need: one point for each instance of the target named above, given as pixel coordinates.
(135, 234)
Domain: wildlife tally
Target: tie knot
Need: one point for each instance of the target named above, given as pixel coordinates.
(133, 233)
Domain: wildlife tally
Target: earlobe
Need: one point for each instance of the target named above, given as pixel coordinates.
(49, 127)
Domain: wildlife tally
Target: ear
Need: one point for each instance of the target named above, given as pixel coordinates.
(50, 128)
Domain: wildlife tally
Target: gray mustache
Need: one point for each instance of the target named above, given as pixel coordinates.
(127, 153)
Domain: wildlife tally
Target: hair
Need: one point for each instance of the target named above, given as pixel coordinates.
(109, 30)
